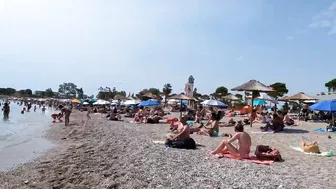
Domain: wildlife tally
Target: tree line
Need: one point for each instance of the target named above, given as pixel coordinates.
(65, 90)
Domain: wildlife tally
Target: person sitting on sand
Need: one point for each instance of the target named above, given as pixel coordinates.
(140, 115)
(277, 124)
(287, 120)
(211, 128)
(183, 130)
(244, 144)
(154, 119)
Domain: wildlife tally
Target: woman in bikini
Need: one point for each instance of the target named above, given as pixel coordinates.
(211, 128)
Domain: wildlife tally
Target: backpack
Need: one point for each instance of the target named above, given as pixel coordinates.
(267, 153)
(188, 143)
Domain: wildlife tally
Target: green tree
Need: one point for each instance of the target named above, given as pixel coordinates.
(167, 89)
(196, 94)
(49, 92)
(280, 90)
(80, 93)
(239, 96)
(331, 85)
(68, 90)
(220, 92)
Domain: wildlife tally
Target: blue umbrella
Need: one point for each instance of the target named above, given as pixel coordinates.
(259, 102)
(149, 103)
(324, 105)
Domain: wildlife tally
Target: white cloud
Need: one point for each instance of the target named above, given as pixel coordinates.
(326, 19)
(289, 38)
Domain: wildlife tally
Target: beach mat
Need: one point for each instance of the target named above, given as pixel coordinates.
(323, 130)
(322, 154)
(162, 142)
(252, 159)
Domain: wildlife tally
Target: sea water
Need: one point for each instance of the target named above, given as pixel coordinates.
(21, 135)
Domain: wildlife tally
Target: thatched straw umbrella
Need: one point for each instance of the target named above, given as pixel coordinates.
(231, 97)
(300, 97)
(253, 86)
(180, 97)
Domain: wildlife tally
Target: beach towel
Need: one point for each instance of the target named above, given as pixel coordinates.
(252, 159)
(322, 154)
(162, 142)
(323, 130)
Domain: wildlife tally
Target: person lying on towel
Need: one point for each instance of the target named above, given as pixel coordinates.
(244, 144)
(182, 138)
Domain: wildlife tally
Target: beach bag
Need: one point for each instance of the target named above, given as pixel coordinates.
(267, 153)
(188, 143)
(310, 148)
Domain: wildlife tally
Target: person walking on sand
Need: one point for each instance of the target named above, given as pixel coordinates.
(6, 110)
(244, 142)
(88, 112)
(66, 112)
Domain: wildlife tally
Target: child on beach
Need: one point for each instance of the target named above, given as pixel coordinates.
(56, 117)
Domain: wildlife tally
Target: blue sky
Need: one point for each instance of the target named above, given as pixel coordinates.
(135, 44)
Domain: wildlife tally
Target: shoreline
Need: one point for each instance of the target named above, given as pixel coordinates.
(109, 154)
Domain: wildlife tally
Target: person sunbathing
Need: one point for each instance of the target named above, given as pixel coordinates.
(140, 115)
(183, 130)
(211, 128)
(244, 144)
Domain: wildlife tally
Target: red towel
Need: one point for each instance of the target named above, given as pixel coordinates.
(252, 159)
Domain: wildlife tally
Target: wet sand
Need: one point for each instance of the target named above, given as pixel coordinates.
(109, 154)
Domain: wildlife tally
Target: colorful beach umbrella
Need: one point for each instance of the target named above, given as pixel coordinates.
(75, 101)
(259, 102)
(150, 102)
(324, 105)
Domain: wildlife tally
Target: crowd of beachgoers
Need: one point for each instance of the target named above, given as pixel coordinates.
(186, 123)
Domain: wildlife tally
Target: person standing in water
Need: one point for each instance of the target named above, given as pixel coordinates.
(43, 109)
(6, 110)
(35, 108)
(66, 112)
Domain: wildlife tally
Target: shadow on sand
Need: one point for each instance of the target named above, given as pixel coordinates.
(294, 131)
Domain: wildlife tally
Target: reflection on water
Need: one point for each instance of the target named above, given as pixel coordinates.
(20, 128)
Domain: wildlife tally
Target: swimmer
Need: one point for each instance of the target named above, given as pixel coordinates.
(23, 110)
(6, 110)
(43, 109)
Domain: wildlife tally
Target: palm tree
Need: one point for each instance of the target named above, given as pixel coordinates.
(167, 89)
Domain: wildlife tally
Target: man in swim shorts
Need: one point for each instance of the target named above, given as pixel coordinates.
(6, 110)
(244, 142)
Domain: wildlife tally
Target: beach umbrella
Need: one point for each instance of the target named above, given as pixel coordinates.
(75, 101)
(253, 86)
(326, 106)
(300, 97)
(214, 103)
(231, 97)
(265, 97)
(182, 98)
(259, 102)
(150, 102)
(86, 103)
(131, 102)
(101, 102)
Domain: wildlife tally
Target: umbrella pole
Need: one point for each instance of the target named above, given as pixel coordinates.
(251, 111)
(181, 109)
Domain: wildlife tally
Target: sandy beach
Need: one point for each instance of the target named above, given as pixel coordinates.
(113, 154)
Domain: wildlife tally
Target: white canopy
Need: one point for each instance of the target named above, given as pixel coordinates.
(101, 102)
(131, 102)
(214, 103)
